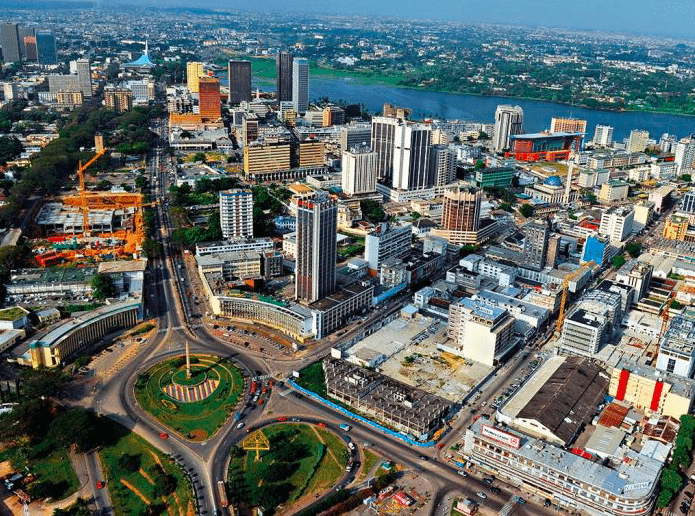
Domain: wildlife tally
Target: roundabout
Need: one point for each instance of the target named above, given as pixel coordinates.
(191, 397)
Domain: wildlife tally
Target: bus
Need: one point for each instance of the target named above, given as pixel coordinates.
(222, 491)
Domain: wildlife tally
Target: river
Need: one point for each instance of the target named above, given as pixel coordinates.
(537, 113)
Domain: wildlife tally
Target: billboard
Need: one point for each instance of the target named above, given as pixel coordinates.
(500, 436)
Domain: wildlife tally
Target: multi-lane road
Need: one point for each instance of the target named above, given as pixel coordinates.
(207, 461)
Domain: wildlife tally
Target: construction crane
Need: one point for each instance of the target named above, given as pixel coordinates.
(565, 287)
(100, 151)
(665, 316)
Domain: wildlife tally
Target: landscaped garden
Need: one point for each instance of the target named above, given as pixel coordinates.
(196, 406)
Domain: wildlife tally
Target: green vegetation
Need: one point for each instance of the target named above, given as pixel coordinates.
(634, 249)
(132, 464)
(190, 236)
(313, 379)
(102, 286)
(197, 420)
(10, 147)
(67, 310)
(672, 477)
(350, 251)
(675, 305)
(619, 261)
(143, 329)
(297, 464)
(526, 210)
(10, 314)
(268, 204)
(370, 459)
(79, 508)
(372, 211)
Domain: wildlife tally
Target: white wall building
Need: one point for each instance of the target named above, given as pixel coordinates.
(236, 213)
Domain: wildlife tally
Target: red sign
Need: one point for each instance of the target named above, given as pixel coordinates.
(500, 436)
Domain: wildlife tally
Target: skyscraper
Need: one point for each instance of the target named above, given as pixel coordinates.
(411, 157)
(46, 52)
(508, 120)
(637, 141)
(359, 171)
(24, 32)
(300, 85)
(236, 213)
(603, 135)
(283, 81)
(442, 165)
(383, 136)
(9, 39)
(317, 226)
(209, 98)
(239, 73)
(567, 125)
(84, 76)
(461, 209)
(194, 70)
(685, 155)
(535, 245)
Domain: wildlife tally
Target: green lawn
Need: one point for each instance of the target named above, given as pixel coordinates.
(296, 464)
(125, 501)
(312, 379)
(370, 458)
(198, 420)
(55, 477)
(10, 314)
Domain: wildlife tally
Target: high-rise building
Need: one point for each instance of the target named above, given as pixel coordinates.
(30, 48)
(236, 213)
(209, 98)
(359, 171)
(637, 141)
(194, 70)
(24, 32)
(385, 242)
(317, 229)
(411, 157)
(688, 202)
(552, 257)
(84, 75)
(616, 223)
(283, 80)
(333, 115)
(239, 73)
(442, 165)
(461, 209)
(58, 83)
(120, 100)
(383, 138)
(567, 125)
(46, 52)
(300, 85)
(535, 245)
(508, 120)
(685, 155)
(311, 153)
(9, 39)
(352, 136)
(260, 157)
(603, 135)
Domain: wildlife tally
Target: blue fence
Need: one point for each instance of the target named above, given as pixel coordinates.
(388, 294)
(344, 411)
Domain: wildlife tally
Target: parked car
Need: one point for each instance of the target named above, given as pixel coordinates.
(481, 495)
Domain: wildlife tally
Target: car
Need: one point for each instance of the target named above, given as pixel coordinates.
(294, 419)
(321, 424)
(547, 502)
(462, 473)
(488, 481)
(240, 425)
(422, 457)
(282, 418)
(163, 435)
(481, 495)
(100, 485)
(495, 490)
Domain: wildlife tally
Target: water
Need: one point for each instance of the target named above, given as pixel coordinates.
(537, 113)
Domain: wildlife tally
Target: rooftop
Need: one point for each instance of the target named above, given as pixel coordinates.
(120, 266)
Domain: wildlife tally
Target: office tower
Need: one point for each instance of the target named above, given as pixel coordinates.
(567, 125)
(260, 158)
(391, 111)
(300, 85)
(46, 52)
(355, 136)
(239, 73)
(24, 32)
(209, 98)
(333, 115)
(84, 76)
(603, 135)
(637, 141)
(120, 100)
(553, 255)
(236, 213)
(359, 171)
(411, 157)
(283, 80)
(311, 153)
(383, 137)
(194, 70)
(442, 165)
(535, 245)
(688, 202)
(616, 223)
(249, 129)
(9, 38)
(461, 209)
(685, 155)
(317, 221)
(30, 48)
(386, 242)
(508, 121)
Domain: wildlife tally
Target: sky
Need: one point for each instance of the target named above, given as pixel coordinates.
(637, 16)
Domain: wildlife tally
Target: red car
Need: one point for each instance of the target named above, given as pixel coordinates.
(321, 424)
(100, 485)
(163, 435)
(282, 418)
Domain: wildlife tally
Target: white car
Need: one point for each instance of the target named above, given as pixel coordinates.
(463, 474)
(481, 495)
(240, 425)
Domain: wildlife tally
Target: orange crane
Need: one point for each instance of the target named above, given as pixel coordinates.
(100, 151)
(565, 287)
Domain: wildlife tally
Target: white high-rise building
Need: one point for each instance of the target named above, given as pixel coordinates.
(236, 213)
(300, 84)
(383, 137)
(685, 155)
(411, 157)
(637, 141)
(603, 135)
(616, 223)
(359, 171)
(84, 75)
(508, 120)
(442, 165)
(387, 241)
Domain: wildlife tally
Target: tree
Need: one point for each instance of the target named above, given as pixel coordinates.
(372, 210)
(76, 426)
(102, 286)
(480, 164)
(671, 479)
(42, 383)
(164, 485)
(482, 135)
(618, 261)
(634, 249)
(686, 177)
(129, 462)
(151, 248)
(526, 210)
(199, 156)
(664, 498)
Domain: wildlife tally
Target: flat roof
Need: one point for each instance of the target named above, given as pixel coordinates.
(52, 275)
(120, 266)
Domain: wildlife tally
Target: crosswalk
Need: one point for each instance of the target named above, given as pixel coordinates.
(508, 508)
(164, 330)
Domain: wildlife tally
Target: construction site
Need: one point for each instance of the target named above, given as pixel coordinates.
(88, 226)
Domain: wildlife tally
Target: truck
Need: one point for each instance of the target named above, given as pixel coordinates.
(222, 491)
(345, 428)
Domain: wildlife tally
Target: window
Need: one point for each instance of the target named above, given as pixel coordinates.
(671, 365)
